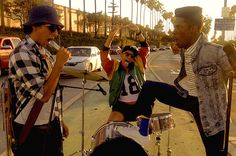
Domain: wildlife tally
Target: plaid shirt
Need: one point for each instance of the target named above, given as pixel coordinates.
(29, 68)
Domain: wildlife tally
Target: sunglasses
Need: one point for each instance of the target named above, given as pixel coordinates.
(129, 55)
(53, 28)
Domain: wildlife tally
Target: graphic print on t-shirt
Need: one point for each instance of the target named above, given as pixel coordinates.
(129, 90)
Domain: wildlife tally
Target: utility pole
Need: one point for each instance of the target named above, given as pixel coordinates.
(223, 31)
(105, 33)
(113, 6)
(70, 27)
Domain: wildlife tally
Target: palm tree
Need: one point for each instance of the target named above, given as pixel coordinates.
(233, 11)
(158, 8)
(70, 21)
(137, 12)
(84, 16)
(132, 8)
(144, 12)
(151, 4)
(167, 16)
(105, 30)
(2, 16)
(141, 4)
(95, 23)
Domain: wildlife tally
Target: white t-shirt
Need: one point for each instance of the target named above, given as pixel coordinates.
(129, 91)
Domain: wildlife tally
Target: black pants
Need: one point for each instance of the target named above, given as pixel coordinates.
(131, 112)
(167, 94)
(42, 140)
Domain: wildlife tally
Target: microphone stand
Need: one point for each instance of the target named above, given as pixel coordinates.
(80, 88)
(83, 95)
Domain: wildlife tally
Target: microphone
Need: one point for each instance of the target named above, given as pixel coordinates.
(54, 45)
(230, 51)
(102, 90)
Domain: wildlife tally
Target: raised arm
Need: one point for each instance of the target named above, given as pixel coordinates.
(107, 62)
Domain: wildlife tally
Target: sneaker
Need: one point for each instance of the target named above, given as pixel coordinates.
(133, 133)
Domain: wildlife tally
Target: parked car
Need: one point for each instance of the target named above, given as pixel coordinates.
(153, 48)
(7, 45)
(84, 58)
(115, 50)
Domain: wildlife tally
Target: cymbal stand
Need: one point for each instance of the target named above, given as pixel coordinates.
(82, 131)
(158, 143)
(168, 141)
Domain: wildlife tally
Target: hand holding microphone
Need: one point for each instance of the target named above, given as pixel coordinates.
(62, 55)
(54, 45)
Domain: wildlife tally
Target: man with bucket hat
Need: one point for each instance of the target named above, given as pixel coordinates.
(33, 79)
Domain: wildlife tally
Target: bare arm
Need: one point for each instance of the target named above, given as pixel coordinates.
(50, 85)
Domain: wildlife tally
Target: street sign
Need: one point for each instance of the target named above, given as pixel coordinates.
(224, 24)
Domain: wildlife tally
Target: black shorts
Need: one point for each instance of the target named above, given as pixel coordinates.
(131, 112)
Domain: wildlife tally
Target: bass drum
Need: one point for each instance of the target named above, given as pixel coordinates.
(120, 146)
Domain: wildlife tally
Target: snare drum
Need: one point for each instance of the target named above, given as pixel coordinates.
(107, 132)
(161, 121)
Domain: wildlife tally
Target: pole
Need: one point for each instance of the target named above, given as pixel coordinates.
(70, 18)
(113, 10)
(230, 88)
(223, 32)
(105, 33)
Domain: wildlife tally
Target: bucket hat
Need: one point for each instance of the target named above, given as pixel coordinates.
(43, 14)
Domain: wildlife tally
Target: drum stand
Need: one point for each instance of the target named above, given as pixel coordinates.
(168, 141)
(158, 143)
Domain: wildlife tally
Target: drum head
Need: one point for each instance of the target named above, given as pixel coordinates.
(107, 132)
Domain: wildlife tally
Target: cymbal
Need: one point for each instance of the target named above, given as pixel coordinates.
(84, 74)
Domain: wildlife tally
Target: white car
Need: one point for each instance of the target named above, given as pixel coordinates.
(84, 58)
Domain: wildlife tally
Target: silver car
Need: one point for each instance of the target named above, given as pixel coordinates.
(84, 58)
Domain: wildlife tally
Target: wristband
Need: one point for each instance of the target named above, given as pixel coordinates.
(140, 32)
(105, 48)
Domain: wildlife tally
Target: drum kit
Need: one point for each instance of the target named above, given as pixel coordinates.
(157, 123)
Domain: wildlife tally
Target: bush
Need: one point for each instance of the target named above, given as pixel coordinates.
(67, 39)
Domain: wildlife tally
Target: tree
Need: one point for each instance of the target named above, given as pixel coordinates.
(206, 25)
(158, 8)
(137, 12)
(2, 17)
(167, 17)
(96, 19)
(233, 11)
(151, 4)
(14, 10)
(95, 22)
(132, 10)
(105, 30)
(84, 19)
(144, 12)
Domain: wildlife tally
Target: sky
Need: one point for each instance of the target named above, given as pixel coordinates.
(211, 8)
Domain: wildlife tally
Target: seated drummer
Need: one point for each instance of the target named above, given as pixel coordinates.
(126, 76)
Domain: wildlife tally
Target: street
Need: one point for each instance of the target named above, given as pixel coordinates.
(182, 140)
